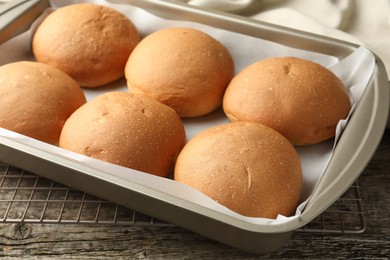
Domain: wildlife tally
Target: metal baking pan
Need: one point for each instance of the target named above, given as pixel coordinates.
(352, 153)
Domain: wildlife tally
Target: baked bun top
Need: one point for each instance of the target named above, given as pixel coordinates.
(89, 42)
(36, 99)
(299, 98)
(247, 167)
(183, 68)
(128, 130)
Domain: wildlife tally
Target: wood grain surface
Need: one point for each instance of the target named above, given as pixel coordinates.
(76, 241)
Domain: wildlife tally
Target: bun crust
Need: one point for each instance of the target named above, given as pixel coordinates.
(91, 43)
(183, 68)
(247, 167)
(301, 99)
(36, 99)
(126, 129)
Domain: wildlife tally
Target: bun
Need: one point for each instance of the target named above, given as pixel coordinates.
(126, 129)
(36, 99)
(247, 167)
(91, 43)
(301, 99)
(183, 68)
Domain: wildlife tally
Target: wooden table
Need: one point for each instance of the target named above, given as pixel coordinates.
(81, 241)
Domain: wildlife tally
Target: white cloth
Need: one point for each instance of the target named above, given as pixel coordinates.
(360, 21)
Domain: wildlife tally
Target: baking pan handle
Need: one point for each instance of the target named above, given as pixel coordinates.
(16, 16)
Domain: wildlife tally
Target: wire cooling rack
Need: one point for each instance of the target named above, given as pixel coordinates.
(26, 197)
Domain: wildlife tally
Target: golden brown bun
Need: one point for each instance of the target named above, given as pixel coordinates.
(126, 129)
(91, 43)
(183, 68)
(36, 99)
(247, 167)
(301, 99)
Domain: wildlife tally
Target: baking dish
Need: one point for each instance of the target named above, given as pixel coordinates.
(350, 156)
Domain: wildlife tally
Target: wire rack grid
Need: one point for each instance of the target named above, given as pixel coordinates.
(26, 197)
